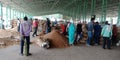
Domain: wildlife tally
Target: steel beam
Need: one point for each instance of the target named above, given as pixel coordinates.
(93, 5)
(1, 16)
(118, 20)
(104, 10)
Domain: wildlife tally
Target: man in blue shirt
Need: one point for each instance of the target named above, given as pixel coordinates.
(90, 28)
(97, 33)
(48, 27)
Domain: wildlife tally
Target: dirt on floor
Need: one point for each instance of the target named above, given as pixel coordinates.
(9, 37)
(6, 42)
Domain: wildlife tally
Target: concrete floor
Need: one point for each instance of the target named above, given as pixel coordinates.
(80, 52)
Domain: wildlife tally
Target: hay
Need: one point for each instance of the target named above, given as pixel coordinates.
(9, 37)
(14, 23)
(6, 42)
(5, 34)
(84, 30)
(8, 34)
(14, 29)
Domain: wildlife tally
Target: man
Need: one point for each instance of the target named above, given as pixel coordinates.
(1, 23)
(106, 34)
(115, 35)
(25, 29)
(18, 25)
(48, 27)
(55, 23)
(35, 26)
(90, 28)
(79, 32)
(97, 33)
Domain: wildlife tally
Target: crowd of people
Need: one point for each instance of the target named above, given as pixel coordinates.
(94, 33)
(74, 31)
(94, 30)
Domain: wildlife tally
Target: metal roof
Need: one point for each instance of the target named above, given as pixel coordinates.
(66, 7)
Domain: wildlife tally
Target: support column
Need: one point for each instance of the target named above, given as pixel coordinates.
(83, 14)
(73, 15)
(76, 10)
(15, 14)
(82, 9)
(23, 14)
(79, 12)
(1, 15)
(6, 13)
(93, 5)
(85, 9)
(104, 9)
(7, 17)
(10, 14)
(20, 14)
(118, 20)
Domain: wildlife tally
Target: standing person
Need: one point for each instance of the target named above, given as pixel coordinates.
(90, 28)
(97, 33)
(78, 32)
(71, 33)
(31, 22)
(63, 28)
(48, 27)
(115, 34)
(35, 26)
(18, 24)
(3, 24)
(106, 34)
(25, 29)
(55, 23)
(67, 26)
